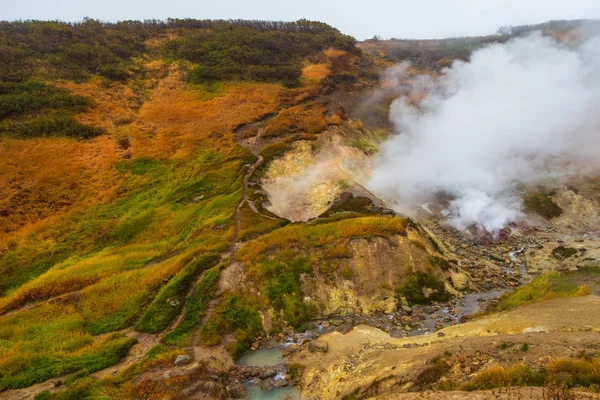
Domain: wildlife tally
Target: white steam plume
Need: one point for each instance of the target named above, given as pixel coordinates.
(523, 112)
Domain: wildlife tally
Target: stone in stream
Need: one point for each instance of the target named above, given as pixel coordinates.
(267, 384)
(268, 373)
(280, 383)
(182, 359)
(237, 391)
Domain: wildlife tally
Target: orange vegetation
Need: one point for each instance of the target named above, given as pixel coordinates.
(180, 119)
(40, 178)
(305, 118)
(315, 73)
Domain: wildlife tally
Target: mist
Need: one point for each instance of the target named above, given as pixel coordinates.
(521, 113)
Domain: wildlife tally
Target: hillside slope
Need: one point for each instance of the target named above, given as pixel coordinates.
(175, 193)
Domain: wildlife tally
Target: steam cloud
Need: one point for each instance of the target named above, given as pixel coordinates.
(523, 112)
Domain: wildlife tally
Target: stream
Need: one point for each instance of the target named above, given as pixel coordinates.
(268, 357)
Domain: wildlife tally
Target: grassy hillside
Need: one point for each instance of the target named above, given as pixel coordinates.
(127, 153)
(121, 174)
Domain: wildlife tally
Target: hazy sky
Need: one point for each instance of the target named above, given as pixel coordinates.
(362, 19)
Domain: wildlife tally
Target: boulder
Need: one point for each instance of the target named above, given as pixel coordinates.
(318, 346)
(268, 373)
(459, 280)
(267, 384)
(345, 327)
(237, 391)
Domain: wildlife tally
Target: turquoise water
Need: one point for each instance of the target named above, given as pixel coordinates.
(263, 357)
(268, 357)
(283, 393)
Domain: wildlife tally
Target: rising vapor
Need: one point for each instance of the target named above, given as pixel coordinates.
(523, 112)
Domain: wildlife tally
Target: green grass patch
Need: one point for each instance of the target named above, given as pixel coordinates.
(196, 308)
(543, 287)
(237, 314)
(170, 300)
(282, 286)
(44, 367)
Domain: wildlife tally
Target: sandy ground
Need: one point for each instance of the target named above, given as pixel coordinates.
(365, 354)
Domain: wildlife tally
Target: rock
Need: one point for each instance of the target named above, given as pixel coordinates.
(441, 334)
(267, 384)
(292, 348)
(397, 333)
(459, 280)
(182, 359)
(237, 391)
(279, 383)
(268, 373)
(405, 320)
(495, 257)
(345, 327)
(317, 346)
(255, 372)
(545, 359)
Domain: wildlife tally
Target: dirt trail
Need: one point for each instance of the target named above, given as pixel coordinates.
(238, 211)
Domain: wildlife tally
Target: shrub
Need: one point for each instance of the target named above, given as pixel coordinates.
(439, 367)
(414, 285)
(47, 126)
(495, 377)
(28, 97)
(240, 51)
(582, 372)
(540, 203)
(562, 252)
